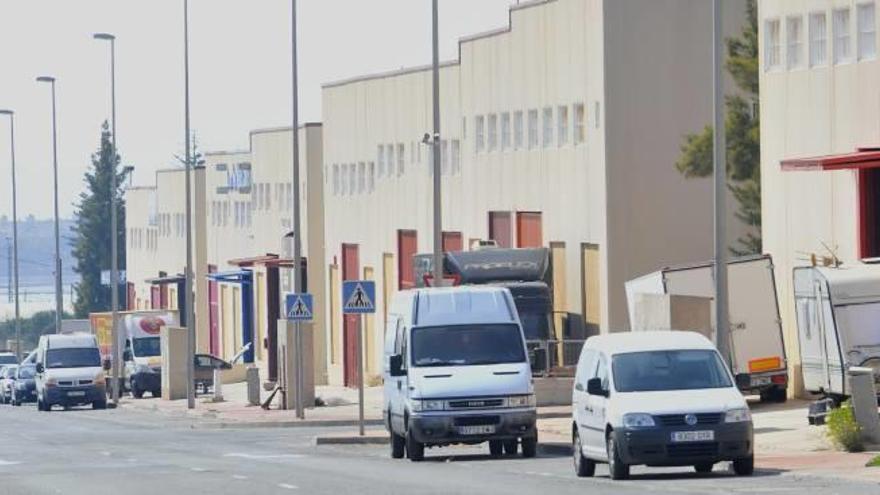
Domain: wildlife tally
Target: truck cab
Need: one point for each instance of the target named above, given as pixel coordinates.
(143, 352)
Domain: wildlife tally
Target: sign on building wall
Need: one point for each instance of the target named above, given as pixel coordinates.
(238, 178)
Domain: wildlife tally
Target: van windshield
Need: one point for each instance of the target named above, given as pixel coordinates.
(467, 345)
(73, 357)
(669, 370)
(146, 347)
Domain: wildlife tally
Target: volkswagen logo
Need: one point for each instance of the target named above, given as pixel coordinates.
(690, 419)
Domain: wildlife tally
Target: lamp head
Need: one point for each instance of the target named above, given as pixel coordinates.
(6, 112)
(48, 79)
(104, 36)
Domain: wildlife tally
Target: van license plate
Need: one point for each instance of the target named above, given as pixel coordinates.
(476, 430)
(76, 394)
(760, 381)
(693, 436)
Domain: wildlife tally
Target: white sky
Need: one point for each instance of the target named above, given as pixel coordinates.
(239, 73)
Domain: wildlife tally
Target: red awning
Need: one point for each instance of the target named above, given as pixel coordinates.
(257, 260)
(861, 159)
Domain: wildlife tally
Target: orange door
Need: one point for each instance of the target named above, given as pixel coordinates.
(499, 228)
(528, 230)
(407, 246)
(452, 241)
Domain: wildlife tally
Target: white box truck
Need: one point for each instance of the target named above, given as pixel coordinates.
(755, 327)
(838, 319)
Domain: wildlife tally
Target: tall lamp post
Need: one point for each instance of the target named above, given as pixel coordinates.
(190, 323)
(722, 322)
(11, 115)
(59, 295)
(297, 235)
(438, 216)
(114, 254)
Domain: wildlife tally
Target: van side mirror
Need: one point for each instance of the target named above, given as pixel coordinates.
(395, 362)
(594, 387)
(126, 355)
(106, 364)
(743, 381)
(579, 387)
(40, 368)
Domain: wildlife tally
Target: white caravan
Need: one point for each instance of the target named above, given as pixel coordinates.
(838, 319)
(756, 330)
(457, 371)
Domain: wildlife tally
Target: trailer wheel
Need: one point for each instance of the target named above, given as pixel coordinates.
(774, 394)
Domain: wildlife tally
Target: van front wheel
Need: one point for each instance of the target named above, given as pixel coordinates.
(530, 446)
(414, 450)
(744, 467)
(617, 468)
(398, 446)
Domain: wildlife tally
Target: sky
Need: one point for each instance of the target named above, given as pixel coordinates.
(239, 74)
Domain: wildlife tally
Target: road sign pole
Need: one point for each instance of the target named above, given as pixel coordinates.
(360, 362)
(300, 382)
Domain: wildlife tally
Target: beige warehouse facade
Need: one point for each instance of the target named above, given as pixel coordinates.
(819, 97)
(550, 137)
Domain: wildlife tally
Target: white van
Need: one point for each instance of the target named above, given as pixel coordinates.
(142, 355)
(658, 399)
(69, 372)
(456, 371)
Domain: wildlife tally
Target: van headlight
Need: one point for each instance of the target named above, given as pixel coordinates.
(427, 405)
(638, 420)
(521, 401)
(741, 415)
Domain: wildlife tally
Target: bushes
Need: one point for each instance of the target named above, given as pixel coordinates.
(843, 430)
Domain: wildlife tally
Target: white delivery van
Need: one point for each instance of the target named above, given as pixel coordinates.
(658, 399)
(756, 342)
(457, 372)
(838, 319)
(142, 355)
(69, 372)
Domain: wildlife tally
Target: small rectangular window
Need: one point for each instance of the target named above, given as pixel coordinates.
(401, 159)
(352, 179)
(268, 193)
(444, 157)
(380, 159)
(518, 130)
(372, 176)
(362, 177)
(562, 125)
(840, 27)
(389, 159)
(794, 41)
(456, 157)
(818, 39)
(533, 129)
(580, 124)
(867, 31)
(479, 127)
(335, 179)
(548, 127)
(505, 131)
(772, 44)
(493, 132)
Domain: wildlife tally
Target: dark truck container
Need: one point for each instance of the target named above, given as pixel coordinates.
(525, 272)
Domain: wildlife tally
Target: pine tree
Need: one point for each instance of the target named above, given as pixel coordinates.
(743, 132)
(91, 246)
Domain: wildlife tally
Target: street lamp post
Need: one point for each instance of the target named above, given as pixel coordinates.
(14, 231)
(438, 217)
(114, 254)
(190, 323)
(59, 295)
(722, 322)
(296, 224)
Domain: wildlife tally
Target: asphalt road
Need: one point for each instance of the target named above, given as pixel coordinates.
(130, 453)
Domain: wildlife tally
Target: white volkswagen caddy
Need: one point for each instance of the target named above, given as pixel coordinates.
(657, 399)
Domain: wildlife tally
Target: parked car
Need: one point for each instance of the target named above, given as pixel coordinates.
(7, 382)
(658, 399)
(25, 389)
(69, 372)
(456, 371)
(8, 357)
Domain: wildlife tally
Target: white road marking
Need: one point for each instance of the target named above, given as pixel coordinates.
(198, 470)
(239, 477)
(8, 463)
(258, 457)
(288, 487)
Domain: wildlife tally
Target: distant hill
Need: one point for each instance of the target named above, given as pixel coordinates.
(36, 251)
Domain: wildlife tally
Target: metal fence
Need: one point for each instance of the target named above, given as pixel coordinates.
(554, 357)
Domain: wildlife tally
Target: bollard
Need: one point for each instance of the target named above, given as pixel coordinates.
(864, 401)
(218, 386)
(253, 386)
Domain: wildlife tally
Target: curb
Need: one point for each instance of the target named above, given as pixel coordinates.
(329, 423)
(352, 440)
(555, 449)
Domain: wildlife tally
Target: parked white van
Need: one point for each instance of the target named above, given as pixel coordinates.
(657, 399)
(456, 371)
(69, 372)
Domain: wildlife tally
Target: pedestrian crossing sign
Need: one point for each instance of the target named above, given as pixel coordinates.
(358, 297)
(299, 307)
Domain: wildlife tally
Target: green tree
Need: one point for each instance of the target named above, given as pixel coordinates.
(91, 246)
(40, 323)
(743, 133)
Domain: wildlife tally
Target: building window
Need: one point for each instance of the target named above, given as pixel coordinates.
(444, 157)
(456, 157)
(480, 144)
(867, 31)
(362, 177)
(289, 188)
(794, 42)
(533, 129)
(268, 193)
(841, 36)
(493, 132)
(335, 179)
(562, 125)
(517, 130)
(372, 176)
(389, 160)
(772, 48)
(401, 159)
(352, 179)
(580, 124)
(505, 131)
(818, 39)
(548, 127)
(380, 158)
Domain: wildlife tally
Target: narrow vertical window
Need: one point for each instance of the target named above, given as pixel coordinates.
(548, 127)
(380, 159)
(772, 48)
(362, 177)
(493, 132)
(456, 157)
(336, 179)
(401, 159)
(794, 42)
(840, 28)
(505, 131)
(867, 31)
(562, 125)
(480, 144)
(533, 129)
(818, 39)
(372, 176)
(580, 128)
(518, 130)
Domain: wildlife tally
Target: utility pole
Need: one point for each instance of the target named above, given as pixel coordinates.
(14, 231)
(190, 317)
(722, 321)
(438, 214)
(59, 295)
(297, 234)
(9, 269)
